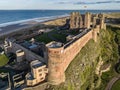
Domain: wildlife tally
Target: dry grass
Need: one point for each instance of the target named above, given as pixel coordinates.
(113, 15)
(57, 22)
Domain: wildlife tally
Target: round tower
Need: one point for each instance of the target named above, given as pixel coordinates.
(55, 63)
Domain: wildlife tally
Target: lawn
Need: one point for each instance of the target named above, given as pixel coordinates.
(3, 60)
(51, 36)
(116, 86)
(59, 37)
(43, 38)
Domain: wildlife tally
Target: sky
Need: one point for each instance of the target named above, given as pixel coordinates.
(60, 4)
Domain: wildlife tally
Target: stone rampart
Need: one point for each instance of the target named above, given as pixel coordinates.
(60, 58)
(71, 51)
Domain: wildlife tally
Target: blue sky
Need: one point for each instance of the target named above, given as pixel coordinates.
(60, 4)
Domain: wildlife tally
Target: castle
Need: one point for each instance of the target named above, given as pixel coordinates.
(60, 56)
(55, 57)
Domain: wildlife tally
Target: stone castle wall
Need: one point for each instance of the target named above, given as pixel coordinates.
(71, 51)
(60, 58)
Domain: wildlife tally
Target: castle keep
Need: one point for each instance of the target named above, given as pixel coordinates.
(80, 21)
(87, 20)
(55, 57)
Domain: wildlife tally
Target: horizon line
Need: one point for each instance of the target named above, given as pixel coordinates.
(60, 9)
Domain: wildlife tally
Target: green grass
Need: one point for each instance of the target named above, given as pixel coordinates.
(60, 37)
(116, 86)
(43, 38)
(3, 60)
(50, 36)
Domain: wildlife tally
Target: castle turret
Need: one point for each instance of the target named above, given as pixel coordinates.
(87, 20)
(94, 21)
(96, 32)
(56, 70)
(72, 23)
(102, 19)
(81, 22)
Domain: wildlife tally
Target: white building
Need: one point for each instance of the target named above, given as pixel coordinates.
(37, 74)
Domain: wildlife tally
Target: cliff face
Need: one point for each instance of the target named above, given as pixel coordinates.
(80, 74)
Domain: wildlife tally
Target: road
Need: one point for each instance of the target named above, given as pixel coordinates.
(112, 81)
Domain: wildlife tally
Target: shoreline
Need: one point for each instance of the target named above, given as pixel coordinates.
(16, 27)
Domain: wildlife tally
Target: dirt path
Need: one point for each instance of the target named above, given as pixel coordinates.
(111, 82)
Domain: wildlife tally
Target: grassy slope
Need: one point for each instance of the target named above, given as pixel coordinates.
(114, 57)
(3, 60)
(116, 86)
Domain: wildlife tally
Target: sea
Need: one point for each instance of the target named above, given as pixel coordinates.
(8, 17)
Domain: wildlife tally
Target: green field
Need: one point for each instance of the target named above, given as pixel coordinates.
(116, 86)
(3, 60)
